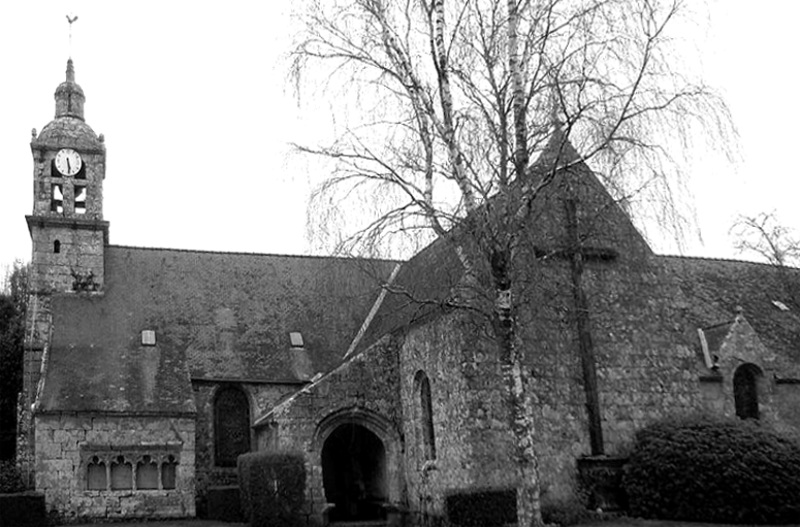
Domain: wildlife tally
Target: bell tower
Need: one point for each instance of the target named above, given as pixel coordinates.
(67, 229)
(68, 236)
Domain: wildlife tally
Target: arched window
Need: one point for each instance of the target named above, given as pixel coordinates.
(121, 474)
(97, 478)
(57, 246)
(425, 426)
(231, 426)
(146, 474)
(168, 473)
(745, 391)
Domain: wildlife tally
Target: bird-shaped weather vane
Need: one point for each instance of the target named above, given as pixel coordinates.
(71, 20)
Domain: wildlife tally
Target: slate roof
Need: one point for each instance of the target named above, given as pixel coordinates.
(715, 289)
(68, 131)
(217, 316)
(420, 291)
(428, 282)
(703, 292)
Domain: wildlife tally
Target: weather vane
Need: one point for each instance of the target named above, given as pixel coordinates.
(71, 20)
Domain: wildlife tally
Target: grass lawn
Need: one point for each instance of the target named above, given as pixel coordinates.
(636, 522)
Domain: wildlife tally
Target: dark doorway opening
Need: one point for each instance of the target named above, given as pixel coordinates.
(354, 474)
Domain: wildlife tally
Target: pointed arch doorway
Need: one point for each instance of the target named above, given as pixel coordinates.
(354, 473)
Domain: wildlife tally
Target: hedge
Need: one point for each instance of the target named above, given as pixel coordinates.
(10, 478)
(223, 503)
(18, 508)
(572, 512)
(22, 509)
(272, 488)
(481, 507)
(705, 469)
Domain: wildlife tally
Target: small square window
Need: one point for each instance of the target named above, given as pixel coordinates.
(148, 337)
(296, 339)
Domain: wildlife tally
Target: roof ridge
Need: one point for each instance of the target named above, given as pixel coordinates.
(719, 324)
(722, 259)
(246, 253)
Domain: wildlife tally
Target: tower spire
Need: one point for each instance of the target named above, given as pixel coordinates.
(70, 71)
(69, 96)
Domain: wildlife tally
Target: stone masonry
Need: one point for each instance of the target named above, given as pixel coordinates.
(66, 445)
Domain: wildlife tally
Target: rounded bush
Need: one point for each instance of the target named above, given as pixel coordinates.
(481, 507)
(272, 488)
(707, 469)
(10, 478)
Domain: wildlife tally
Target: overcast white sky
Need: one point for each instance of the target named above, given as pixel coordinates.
(196, 112)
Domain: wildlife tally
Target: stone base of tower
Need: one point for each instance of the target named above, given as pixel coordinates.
(38, 324)
(26, 439)
(67, 254)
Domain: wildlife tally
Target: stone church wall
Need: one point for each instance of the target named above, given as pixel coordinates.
(470, 422)
(108, 467)
(647, 367)
(39, 319)
(646, 361)
(363, 391)
(80, 254)
(785, 398)
(648, 355)
(262, 397)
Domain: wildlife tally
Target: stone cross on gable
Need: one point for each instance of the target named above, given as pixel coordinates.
(576, 254)
(587, 253)
(574, 246)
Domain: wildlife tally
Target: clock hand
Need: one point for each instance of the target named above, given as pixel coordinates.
(69, 168)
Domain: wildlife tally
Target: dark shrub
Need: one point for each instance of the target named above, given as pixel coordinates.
(571, 512)
(23, 509)
(600, 479)
(272, 487)
(224, 504)
(713, 470)
(481, 507)
(10, 478)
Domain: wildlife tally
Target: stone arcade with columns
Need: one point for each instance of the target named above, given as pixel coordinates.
(148, 371)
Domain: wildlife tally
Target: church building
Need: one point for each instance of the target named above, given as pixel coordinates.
(148, 371)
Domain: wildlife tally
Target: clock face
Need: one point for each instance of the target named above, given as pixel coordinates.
(68, 162)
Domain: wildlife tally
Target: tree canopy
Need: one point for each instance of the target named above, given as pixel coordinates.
(13, 301)
(439, 105)
(453, 117)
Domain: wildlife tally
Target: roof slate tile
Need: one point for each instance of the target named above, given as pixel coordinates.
(215, 315)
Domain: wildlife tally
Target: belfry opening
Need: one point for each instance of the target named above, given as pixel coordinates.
(354, 474)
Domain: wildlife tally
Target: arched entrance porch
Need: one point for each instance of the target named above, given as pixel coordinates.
(358, 453)
(354, 474)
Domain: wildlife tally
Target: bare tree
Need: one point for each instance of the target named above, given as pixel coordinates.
(444, 109)
(765, 236)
